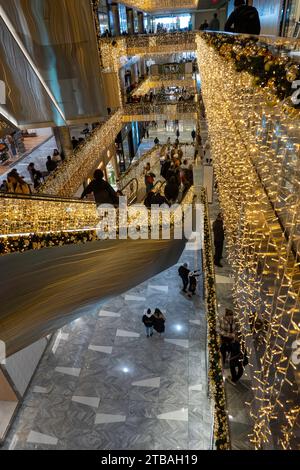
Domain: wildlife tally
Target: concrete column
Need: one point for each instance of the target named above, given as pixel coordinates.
(143, 67)
(130, 21)
(141, 22)
(134, 73)
(63, 141)
(116, 20)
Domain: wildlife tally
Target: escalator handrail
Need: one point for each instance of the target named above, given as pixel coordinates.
(43, 197)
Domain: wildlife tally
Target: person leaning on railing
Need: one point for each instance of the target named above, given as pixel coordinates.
(243, 20)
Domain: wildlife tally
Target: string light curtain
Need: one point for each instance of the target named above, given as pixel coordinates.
(245, 122)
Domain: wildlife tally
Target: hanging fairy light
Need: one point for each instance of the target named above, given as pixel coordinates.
(254, 140)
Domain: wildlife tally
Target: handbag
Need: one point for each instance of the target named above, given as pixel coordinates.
(245, 359)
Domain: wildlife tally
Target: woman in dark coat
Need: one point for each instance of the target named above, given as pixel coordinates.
(172, 190)
(159, 321)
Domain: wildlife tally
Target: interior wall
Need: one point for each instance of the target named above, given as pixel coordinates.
(269, 13)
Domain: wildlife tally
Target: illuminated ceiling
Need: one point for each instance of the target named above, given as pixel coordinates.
(161, 5)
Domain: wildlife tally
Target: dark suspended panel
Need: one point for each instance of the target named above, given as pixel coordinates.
(43, 290)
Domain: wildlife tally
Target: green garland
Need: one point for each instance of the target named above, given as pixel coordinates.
(253, 56)
(36, 241)
(221, 430)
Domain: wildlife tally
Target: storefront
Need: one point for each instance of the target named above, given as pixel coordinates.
(173, 23)
(290, 21)
(123, 18)
(127, 144)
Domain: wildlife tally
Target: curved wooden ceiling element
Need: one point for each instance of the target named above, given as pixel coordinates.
(59, 36)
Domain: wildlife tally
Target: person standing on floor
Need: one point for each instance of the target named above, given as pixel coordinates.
(214, 24)
(193, 134)
(159, 321)
(149, 178)
(56, 156)
(51, 165)
(226, 327)
(218, 229)
(184, 272)
(148, 320)
(236, 360)
(193, 282)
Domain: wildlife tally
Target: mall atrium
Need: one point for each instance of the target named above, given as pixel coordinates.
(149, 225)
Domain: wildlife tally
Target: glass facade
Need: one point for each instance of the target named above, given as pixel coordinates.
(123, 18)
(290, 21)
(104, 22)
(171, 23)
(135, 21)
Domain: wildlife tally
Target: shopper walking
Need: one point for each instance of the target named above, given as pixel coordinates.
(236, 361)
(159, 321)
(149, 178)
(184, 272)
(51, 165)
(214, 24)
(218, 229)
(148, 320)
(56, 156)
(226, 327)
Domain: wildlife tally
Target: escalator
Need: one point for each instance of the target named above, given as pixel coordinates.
(63, 268)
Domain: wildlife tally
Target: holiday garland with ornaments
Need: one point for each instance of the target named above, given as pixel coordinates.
(249, 54)
(216, 382)
(38, 241)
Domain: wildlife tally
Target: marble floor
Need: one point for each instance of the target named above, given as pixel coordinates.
(102, 384)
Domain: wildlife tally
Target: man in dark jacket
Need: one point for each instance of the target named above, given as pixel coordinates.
(184, 272)
(165, 167)
(218, 230)
(244, 19)
(103, 192)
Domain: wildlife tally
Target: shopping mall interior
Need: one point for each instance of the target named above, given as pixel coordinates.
(150, 225)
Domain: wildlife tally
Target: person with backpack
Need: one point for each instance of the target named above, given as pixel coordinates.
(165, 167)
(148, 320)
(243, 20)
(184, 272)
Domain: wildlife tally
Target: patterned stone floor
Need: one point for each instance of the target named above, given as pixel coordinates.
(102, 384)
